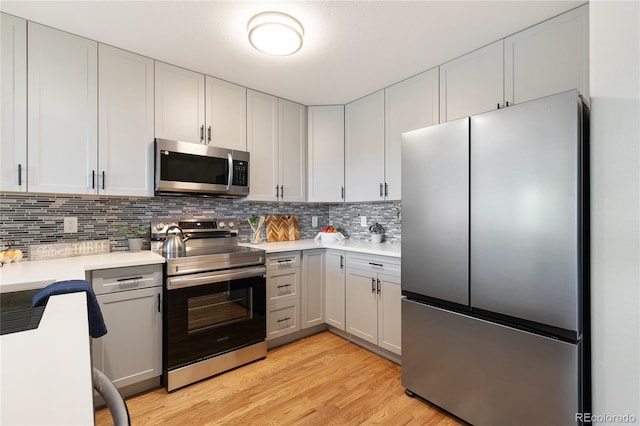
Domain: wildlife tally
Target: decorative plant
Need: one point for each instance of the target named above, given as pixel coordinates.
(135, 231)
(376, 228)
(398, 208)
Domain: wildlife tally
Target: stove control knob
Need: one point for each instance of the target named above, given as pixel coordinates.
(159, 226)
(221, 225)
(231, 225)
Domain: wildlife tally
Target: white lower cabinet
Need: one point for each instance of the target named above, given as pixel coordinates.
(313, 283)
(373, 300)
(131, 303)
(283, 295)
(334, 289)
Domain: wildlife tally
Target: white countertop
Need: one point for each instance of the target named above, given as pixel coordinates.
(28, 275)
(46, 372)
(360, 246)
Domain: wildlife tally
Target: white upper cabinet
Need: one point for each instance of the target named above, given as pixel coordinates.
(262, 143)
(125, 122)
(192, 107)
(13, 92)
(179, 104)
(364, 148)
(226, 114)
(325, 166)
(292, 134)
(473, 83)
(409, 105)
(549, 58)
(62, 112)
(276, 141)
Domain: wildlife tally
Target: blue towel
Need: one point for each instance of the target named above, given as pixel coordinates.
(97, 327)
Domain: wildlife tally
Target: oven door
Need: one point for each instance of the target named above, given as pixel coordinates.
(210, 313)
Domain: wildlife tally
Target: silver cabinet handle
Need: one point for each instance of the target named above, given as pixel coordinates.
(284, 319)
(158, 302)
(378, 285)
(202, 134)
(386, 189)
(341, 261)
(381, 190)
(103, 179)
(342, 192)
(373, 285)
(19, 174)
(209, 134)
(93, 179)
(282, 191)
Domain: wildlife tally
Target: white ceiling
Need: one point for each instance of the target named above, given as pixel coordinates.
(351, 48)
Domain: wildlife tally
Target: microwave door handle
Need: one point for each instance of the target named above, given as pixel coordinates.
(230, 177)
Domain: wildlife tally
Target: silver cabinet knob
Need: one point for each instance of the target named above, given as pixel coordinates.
(221, 225)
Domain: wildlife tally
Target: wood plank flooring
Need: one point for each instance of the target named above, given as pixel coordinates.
(320, 380)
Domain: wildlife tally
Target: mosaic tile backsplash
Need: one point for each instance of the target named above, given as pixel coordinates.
(29, 219)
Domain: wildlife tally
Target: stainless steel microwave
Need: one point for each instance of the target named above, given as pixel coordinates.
(190, 168)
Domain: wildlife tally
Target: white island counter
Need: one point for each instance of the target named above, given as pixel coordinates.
(46, 372)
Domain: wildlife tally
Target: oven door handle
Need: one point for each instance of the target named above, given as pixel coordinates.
(214, 277)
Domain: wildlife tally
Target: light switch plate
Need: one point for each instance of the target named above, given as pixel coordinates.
(70, 225)
(314, 220)
(363, 221)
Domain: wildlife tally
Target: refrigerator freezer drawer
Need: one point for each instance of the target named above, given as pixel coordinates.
(485, 373)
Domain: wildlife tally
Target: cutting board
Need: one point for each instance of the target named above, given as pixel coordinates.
(282, 228)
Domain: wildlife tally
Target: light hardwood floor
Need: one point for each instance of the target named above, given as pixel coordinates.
(319, 380)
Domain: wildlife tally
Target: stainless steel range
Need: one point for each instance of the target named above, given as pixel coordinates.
(214, 300)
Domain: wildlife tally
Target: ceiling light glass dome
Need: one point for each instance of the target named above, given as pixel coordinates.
(275, 33)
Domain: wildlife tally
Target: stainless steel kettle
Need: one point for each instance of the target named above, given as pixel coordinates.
(174, 244)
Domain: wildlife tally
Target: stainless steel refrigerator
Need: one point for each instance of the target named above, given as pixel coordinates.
(495, 264)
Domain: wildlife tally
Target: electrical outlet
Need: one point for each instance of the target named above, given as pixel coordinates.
(363, 221)
(314, 220)
(70, 225)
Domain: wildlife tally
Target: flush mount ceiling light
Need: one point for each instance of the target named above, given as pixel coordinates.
(275, 33)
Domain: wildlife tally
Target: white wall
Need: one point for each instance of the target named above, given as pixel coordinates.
(615, 212)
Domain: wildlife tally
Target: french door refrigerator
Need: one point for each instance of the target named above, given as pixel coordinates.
(495, 264)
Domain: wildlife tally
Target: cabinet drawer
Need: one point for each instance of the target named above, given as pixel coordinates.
(128, 278)
(286, 260)
(375, 264)
(283, 285)
(282, 318)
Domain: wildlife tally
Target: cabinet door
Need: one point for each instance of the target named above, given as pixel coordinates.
(313, 282)
(226, 114)
(262, 143)
(292, 119)
(335, 289)
(362, 305)
(473, 83)
(389, 315)
(131, 351)
(63, 111)
(409, 105)
(326, 153)
(364, 148)
(13, 141)
(179, 104)
(125, 135)
(549, 58)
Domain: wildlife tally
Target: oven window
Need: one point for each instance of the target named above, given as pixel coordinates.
(219, 309)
